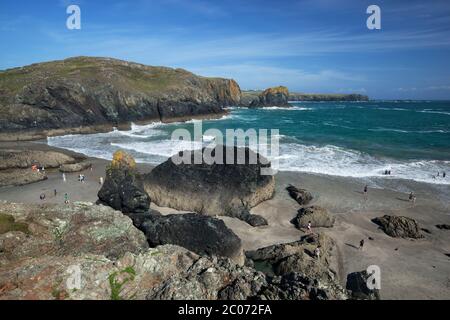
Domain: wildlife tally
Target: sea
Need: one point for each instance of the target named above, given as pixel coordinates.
(362, 140)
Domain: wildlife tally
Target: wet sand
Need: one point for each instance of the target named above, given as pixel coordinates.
(410, 269)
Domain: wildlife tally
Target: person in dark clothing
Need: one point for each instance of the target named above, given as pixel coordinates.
(361, 244)
(443, 174)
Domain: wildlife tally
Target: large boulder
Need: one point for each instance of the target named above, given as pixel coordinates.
(212, 189)
(318, 216)
(399, 227)
(302, 196)
(122, 188)
(75, 229)
(198, 233)
(357, 286)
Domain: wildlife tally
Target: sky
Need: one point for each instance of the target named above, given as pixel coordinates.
(314, 46)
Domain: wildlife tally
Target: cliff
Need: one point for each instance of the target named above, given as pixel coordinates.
(327, 97)
(253, 98)
(84, 94)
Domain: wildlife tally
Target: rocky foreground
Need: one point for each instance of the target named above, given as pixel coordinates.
(44, 246)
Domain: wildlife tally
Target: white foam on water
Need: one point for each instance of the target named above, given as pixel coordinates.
(336, 161)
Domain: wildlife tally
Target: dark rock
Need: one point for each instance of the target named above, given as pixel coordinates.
(357, 286)
(198, 233)
(122, 188)
(256, 221)
(302, 196)
(213, 189)
(399, 227)
(318, 216)
(327, 97)
(443, 226)
(426, 230)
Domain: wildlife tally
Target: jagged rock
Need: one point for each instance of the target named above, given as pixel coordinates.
(295, 286)
(85, 94)
(298, 271)
(443, 226)
(20, 159)
(318, 216)
(272, 97)
(217, 189)
(76, 167)
(211, 278)
(20, 177)
(399, 227)
(122, 188)
(201, 234)
(302, 196)
(357, 286)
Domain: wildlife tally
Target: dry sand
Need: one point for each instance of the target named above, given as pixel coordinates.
(410, 269)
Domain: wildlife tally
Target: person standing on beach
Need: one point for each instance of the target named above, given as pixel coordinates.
(411, 196)
(309, 227)
(317, 252)
(55, 192)
(64, 177)
(42, 196)
(366, 189)
(443, 174)
(361, 244)
(66, 198)
(100, 181)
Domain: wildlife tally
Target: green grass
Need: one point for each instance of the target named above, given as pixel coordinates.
(7, 224)
(117, 286)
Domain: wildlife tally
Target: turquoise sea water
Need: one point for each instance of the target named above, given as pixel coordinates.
(356, 139)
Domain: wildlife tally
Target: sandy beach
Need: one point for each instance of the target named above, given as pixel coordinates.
(410, 269)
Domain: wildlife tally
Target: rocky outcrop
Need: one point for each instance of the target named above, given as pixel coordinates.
(74, 229)
(75, 167)
(46, 249)
(83, 94)
(271, 97)
(399, 227)
(302, 196)
(122, 188)
(20, 177)
(203, 235)
(327, 97)
(318, 216)
(298, 272)
(212, 189)
(357, 287)
(21, 159)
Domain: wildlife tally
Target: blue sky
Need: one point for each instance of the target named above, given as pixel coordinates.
(307, 45)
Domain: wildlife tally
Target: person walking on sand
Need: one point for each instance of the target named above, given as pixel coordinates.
(317, 252)
(366, 189)
(414, 200)
(55, 192)
(361, 244)
(309, 227)
(100, 181)
(64, 177)
(411, 196)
